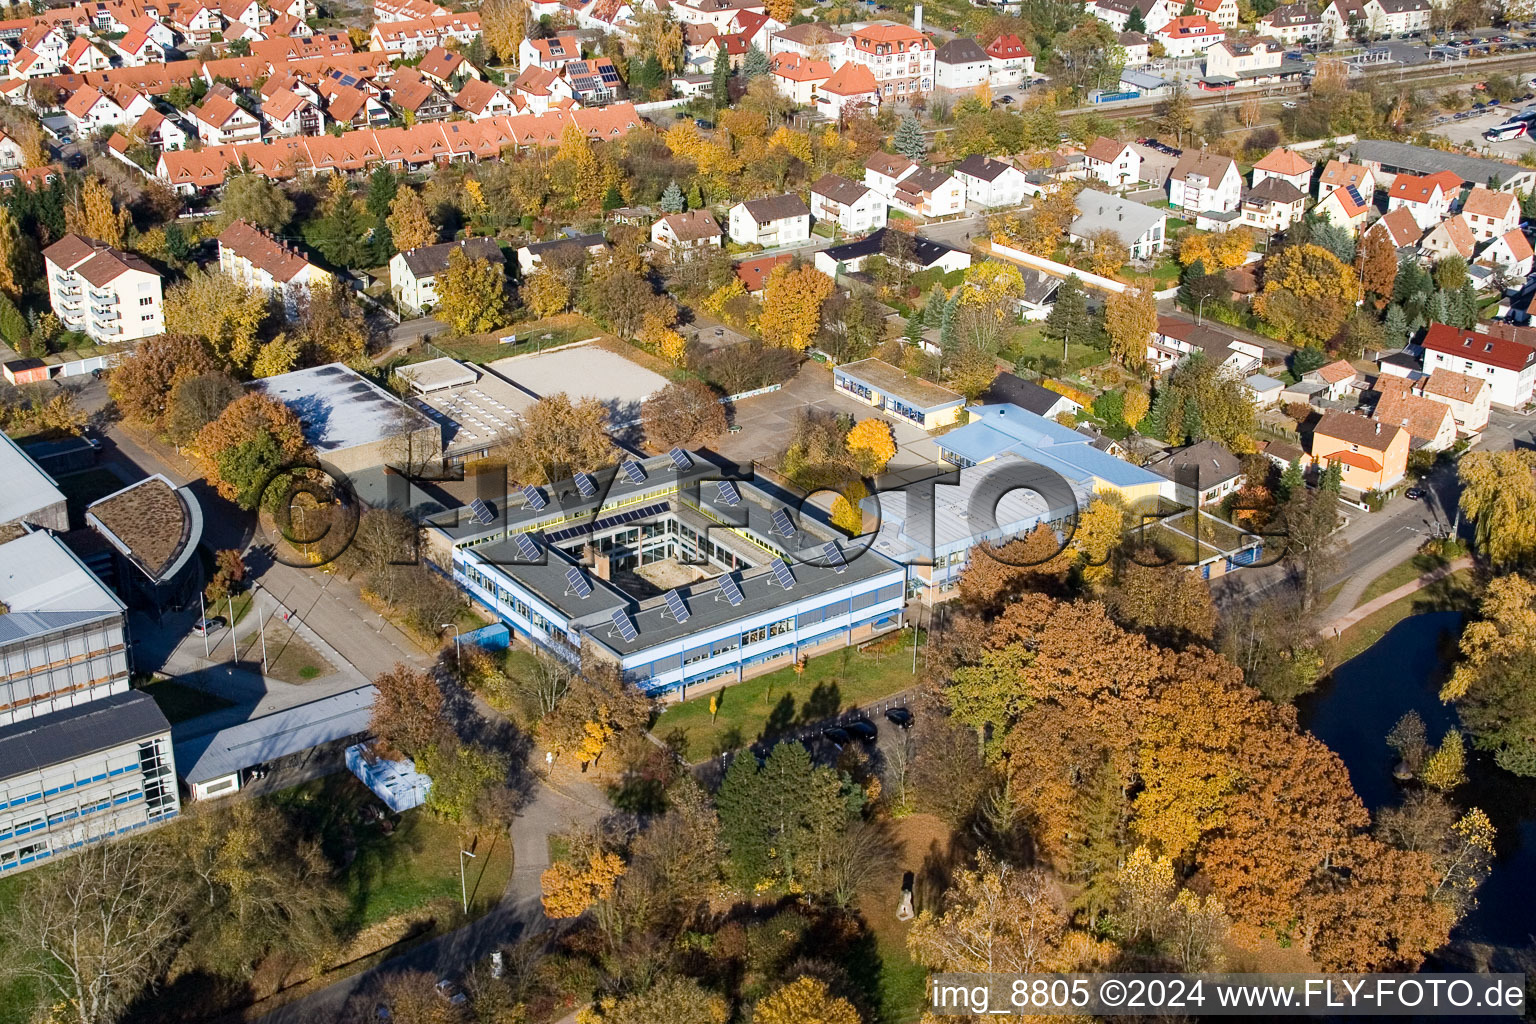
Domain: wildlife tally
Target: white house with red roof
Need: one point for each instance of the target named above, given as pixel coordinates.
(220, 122)
(851, 86)
(551, 54)
(1508, 366)
(11, 155)
(1287, 165)
(853, 207)
(899, 57)
(797, 77)
(159, 131)
(1113, 162)
(256, 259)
(482, 100)
(1422, 197)
(1490, 214)
(83, 55)
(1451, 237)
(1205, 182)
(1400, 228)
(408, 39)
(1345, 207)
(1222, 12)
(883, 172)
(1510, 252)
(1011, 60)
(535, 90)
(89, 109)
(1341, 174)
(1189, 35)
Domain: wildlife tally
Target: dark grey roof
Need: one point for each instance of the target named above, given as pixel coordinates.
(1009, 389)
(961, 50)
(839, 189)
(1403, 156)
(924, 179)
(925, 251)
(431, 260)
(213, 755)
(583, 241)
(61, 736)
(983, 167)
(1275, 190)
(774, 208)
(1209, 460)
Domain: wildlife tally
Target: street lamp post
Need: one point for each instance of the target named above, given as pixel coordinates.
(296, 507)
(457, 664)
(463, 888)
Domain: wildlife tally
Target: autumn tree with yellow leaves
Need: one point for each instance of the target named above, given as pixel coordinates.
(1490, 685)
(505, 23)
(872, 444)
(570, 889)
(220, 309)
(1216, 252)
(409, 225)
(1130, 319)
(471, 294)
(1308, 294)
(95, 214)
(792, 305)
(806, 1000)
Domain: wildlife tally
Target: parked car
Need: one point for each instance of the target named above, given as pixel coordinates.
(899, 717)
(700, 122)
(203, 627)
(1414, 493)
(862, 729)
(839, 738)
(451, 992)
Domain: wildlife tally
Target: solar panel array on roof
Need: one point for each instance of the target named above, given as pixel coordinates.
(731, 591)
(527, 546)
(534, 497)
(578, 582)
(587, 529)
(634, 471)
(482, 512)
(781, 523)
(676, 607)
(623, 625)
(834, 556)
(781, 573)
(610, 74)
(728, 494)
(1354, 194)
(585, 485)
(680, 459)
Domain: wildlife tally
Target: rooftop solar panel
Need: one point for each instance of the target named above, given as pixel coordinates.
(585, 485)
(1354, 194)
(781, 523)
(623, 625)
(527, 546)
(579, 585)
(680, 459)
(634, 471)
(731, 591)
(781, 573)
(728, 494)
(834, 557)
(676, 607)
(534, 497)
(482, 512)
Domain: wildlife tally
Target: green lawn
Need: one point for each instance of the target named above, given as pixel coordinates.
(18, 996)
(415, 865)
(1029, 341)
(780, 701)
(1456, 591)
(180, 702)
(487, 348)
(1405, 571)
(903, 984)
(1164, 275)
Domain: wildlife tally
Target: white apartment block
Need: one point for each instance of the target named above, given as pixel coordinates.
(853, 207)
(110, 295)
(259, 261)
(771, 222)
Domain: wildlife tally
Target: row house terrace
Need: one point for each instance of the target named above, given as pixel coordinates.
(419, 146)
(407, 39)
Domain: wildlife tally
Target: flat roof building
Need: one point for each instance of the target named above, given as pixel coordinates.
(670, 570)
(155, 527)
(30, 495)
(83, 774)
(1393, 158)
(898, 394)
(63, 637)
(475, 408)
(352, 423)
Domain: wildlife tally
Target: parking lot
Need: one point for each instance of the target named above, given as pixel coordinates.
(1468, 130)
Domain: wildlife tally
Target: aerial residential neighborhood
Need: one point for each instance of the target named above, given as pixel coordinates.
(618, 511)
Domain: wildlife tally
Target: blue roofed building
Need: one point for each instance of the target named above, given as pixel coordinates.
(1015, 470)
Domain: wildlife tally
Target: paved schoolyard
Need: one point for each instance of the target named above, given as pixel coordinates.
(768, 422)
(585, 371)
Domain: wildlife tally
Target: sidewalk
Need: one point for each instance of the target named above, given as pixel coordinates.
(1343, 622)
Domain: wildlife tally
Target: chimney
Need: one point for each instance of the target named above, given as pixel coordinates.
(1378, 426)
(917, 17)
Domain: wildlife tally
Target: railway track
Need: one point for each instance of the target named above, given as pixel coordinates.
(1417, 74)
